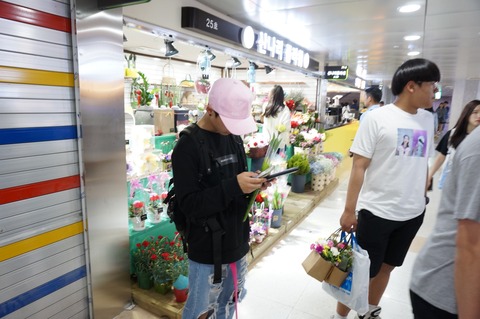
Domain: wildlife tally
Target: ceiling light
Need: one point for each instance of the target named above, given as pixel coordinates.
(255, 66)
(409, 8)
(413, 53)
(170, 49)
(412, 37)
(211, 56)
(235, 62)
(268, 69)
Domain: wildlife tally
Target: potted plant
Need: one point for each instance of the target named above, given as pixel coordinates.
(300, 176)
(136, 213)
(144, 258)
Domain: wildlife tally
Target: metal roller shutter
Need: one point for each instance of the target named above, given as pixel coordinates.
(42, 249)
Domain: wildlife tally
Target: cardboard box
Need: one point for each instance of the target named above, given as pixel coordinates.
(164, 120)
(317, 267)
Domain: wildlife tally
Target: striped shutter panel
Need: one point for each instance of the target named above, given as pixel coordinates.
(42, 250)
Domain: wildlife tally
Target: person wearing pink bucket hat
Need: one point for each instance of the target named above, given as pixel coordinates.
(212, 188)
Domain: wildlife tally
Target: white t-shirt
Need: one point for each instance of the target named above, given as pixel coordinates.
(270, 125)
(398, 144)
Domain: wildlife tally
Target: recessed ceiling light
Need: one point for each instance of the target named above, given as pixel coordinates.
(413, 53)
(411, 37)
(409, 8)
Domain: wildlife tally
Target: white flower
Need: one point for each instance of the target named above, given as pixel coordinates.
(334, 251)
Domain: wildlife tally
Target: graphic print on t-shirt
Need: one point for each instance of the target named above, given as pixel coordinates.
(411, 142)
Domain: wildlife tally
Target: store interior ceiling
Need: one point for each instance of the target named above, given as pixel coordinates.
(366, 34)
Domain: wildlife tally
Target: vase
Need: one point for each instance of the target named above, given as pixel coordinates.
(180, 294)
(162, 287)
(144, 280)
(257, 164)
(336, 277)
(138, 222)
(276, 220)
(298, 183)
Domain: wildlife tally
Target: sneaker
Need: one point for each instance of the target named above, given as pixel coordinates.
(371, 314)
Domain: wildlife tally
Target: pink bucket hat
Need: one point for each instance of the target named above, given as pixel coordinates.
(232, 99)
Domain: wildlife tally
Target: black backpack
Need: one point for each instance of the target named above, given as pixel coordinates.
(173, 208)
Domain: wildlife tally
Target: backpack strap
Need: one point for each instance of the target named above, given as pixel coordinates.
(217, 233)
(194, 131)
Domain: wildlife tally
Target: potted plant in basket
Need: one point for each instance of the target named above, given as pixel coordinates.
(299, 177)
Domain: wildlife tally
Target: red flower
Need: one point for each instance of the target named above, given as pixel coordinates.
(145, 243)
(139, 245)
(290, 104)
(166, 256)
(259, 198)
(164, 195)
(160, 236)
(294, 124)
(153, 257)
(255, 144)
(137, 204)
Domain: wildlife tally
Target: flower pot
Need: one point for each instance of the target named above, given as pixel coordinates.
(257, 164)
(258, 152)
(259, 238)
(180, 294)
(138, 222)
(298, 183)
(144, 280)
(336, 277)
(318, 182)
(163, 287)
(276, 221)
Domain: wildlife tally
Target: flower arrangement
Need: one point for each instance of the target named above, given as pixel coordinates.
(337, 252)
(296, 96)
(141, 87)
(269, 155)
(278, 195)
(144, 257)
(256, 147)
(171, 261)
(321, 165)
(136, 209)
(290, 104)
(300, 161)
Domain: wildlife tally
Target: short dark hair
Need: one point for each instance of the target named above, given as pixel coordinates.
(375, 93)
(417, 70)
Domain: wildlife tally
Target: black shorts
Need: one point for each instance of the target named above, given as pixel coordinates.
(386, 241)
(424, 310)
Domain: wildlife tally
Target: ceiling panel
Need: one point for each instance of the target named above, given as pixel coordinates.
(369, 33)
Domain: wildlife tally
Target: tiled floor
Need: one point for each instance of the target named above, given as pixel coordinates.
(278, 287)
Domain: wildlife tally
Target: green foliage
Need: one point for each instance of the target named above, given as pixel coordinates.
(142, 88)
(300, 161)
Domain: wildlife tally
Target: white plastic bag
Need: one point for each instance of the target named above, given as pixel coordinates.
(354, 290)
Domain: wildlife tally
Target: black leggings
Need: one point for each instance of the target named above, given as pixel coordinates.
(424, 310)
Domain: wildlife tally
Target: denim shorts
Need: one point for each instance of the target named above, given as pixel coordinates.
(215, 299)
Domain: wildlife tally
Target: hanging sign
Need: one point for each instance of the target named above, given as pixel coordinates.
(263, 42)
(336, 72)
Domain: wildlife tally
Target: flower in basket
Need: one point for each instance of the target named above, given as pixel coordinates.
(321, 165)
(144, 257)
(155, 202)
(338, 253)
(256, 146)
(136, 209)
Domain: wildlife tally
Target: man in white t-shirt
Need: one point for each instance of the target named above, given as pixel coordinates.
(387, 188)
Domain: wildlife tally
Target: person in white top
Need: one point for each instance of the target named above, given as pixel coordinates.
(386, 199)
(276, 113)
